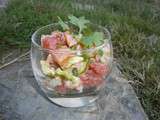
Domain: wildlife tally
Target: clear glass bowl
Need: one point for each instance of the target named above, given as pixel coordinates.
(90, 87)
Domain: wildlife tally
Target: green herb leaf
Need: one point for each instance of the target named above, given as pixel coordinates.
(98, 38)
(75, 71)
(100, 52)
(87, 41)
(93, 39)
(80, 22)
(87, 31)
(85, 55)
(63, 24)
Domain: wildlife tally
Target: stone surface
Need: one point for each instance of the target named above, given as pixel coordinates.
(20, 99)
(3, 3)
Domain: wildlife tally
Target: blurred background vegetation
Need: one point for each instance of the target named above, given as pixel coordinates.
(135, 28)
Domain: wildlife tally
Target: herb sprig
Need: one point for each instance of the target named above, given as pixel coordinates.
(63, 24)
(93, 39)
(79, 22)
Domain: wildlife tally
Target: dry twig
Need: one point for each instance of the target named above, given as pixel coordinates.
(14, 60)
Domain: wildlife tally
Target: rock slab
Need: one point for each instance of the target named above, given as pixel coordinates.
(21, 100)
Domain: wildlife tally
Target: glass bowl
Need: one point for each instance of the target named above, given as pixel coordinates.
(88, 84)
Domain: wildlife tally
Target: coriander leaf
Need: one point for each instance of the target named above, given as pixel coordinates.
(87, 31)
(93, 39)
(80, 22)
(87, 41)
(85, 55)
(100, 52)
(63, 24)
(98, 37)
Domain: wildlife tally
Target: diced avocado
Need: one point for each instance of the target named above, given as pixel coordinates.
(75, 79)
(60, 72)
(46, 69)
(82, 68)
(73, 60)
(65, 73)
(79, 67)
(88, 55)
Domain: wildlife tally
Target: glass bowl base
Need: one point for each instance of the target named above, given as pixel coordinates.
(74, 102)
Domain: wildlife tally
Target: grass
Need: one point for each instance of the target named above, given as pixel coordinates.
(134, 25)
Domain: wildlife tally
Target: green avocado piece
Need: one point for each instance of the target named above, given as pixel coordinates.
(74, 60)
(66, 73)
(82, 68)
(79, 68)
(46, 69)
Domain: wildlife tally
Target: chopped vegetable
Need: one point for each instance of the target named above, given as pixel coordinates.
(66, 74)
(70, 61)
(74, 60)
(46, 69)
(81, 66)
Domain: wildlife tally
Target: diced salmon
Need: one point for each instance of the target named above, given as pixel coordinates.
(79, 47)
(69, 39)
(94, 76)
(91, 79)
(48, 42)
(53, 41)
(51, 61)
(99, 68)
(60, 56)
(60, 38)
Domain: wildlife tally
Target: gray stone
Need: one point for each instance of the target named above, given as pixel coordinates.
(3, 3)
(21, 99)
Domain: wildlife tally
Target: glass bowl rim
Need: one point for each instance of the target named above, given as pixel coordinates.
(106, 41)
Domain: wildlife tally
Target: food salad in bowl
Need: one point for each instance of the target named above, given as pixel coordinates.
(72, 57)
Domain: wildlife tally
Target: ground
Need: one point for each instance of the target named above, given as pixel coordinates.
(134, 25)
(21, 99)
